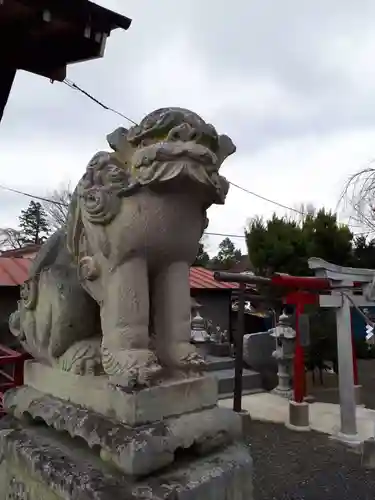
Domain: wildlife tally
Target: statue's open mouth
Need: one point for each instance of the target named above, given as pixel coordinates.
(174, 151)
(160, 165)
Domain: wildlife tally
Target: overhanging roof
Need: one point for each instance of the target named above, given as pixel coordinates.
(44, 36)
(13, 271)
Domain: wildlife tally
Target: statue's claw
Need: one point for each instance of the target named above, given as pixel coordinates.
(183, 355)
(131, 368)
(82, 358)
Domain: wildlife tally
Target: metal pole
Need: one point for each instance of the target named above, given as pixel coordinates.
(240, 278)
(238, 367)
(346, 375)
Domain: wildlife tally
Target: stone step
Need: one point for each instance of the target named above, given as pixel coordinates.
(216, 363)
(250, 380)
(247, 392)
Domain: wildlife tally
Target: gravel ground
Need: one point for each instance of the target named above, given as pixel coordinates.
(310, 466)
(366, 376)
(305, 466)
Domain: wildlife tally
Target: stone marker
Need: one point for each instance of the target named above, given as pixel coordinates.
(116, 404)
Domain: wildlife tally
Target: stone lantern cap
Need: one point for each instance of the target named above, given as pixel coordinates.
(283, 329)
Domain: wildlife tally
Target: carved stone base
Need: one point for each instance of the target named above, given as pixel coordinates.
(72, 437)
(39, 463)
(133, 408)
(284, 393)
(137, 451)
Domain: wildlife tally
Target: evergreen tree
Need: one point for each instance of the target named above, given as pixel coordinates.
(281, 244)
(202, 258)
(227, 256)
(33, 224)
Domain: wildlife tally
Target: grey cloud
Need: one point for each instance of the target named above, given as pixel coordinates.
(287, 43)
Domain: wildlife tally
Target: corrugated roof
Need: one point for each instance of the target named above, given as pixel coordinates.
(20, 252)
(204, 278)
(13, 271)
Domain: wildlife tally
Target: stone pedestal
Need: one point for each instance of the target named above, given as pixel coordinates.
(72, 437)
(368, 453)
(299, 418)
(220, 350)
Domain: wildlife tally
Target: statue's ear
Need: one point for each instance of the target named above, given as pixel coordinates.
(118, 142)
(226, 148)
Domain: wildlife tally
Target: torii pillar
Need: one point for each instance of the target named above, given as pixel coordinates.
(344, 279)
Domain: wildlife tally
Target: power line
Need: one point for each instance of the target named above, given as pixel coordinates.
(41, 198)
(208, 233)
(47, 200)
(227, 235)
(267, 199)
(74, 86)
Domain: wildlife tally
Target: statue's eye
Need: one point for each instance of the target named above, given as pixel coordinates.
(174, 136)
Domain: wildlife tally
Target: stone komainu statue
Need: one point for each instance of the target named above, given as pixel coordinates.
(109, 293)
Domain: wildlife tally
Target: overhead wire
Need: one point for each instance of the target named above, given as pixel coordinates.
(74, 86)
(78, 88)
(55, 202)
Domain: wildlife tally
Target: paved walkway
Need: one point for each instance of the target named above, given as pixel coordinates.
(324, 417)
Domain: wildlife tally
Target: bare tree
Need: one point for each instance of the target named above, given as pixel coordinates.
(300, 213)
(358, 196)
(10, 239)
(57, 208)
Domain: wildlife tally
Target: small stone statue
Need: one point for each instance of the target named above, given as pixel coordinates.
(224, 337)
(110, 291)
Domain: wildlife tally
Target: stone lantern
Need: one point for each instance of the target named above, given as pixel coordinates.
(285, 337)
(198, 325)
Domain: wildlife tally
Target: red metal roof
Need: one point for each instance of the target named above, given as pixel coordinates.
(20, 252)
(13, 271)
(204, 278)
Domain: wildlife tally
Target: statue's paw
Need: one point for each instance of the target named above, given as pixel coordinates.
(82, 358)
(131, 368)
(184, 355)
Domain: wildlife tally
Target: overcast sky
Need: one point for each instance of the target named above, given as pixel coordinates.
(293, 84)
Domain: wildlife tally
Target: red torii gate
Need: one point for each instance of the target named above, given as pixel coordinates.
(299, 291)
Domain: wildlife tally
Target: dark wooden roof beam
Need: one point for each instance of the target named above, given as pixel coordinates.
(44, 36)
(74, 11)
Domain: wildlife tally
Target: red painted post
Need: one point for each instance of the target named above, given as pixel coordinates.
(300, 298)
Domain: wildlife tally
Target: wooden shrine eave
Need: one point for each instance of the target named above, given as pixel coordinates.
(44, 36)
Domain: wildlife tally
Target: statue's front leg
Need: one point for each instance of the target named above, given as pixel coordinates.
(171, 310)
(125, 323)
